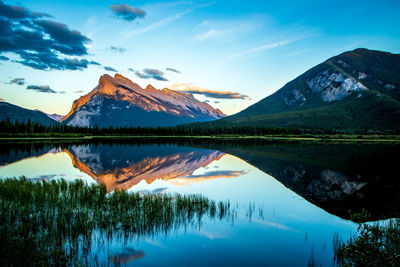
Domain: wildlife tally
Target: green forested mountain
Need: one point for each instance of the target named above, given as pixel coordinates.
(16, 113)
(359, 89)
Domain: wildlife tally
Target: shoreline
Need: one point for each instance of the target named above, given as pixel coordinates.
(311, 138)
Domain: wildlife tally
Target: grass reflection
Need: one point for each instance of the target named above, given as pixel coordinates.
(52, 223)
(373, 245)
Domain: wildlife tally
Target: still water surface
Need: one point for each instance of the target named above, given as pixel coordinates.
(291, 199)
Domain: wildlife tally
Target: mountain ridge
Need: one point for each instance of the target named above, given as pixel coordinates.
(17, 113)
(122, 94)
(359, 89)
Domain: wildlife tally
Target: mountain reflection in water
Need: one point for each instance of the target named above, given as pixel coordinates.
(340, 178)
(286, 196)
(126, 255)
(137, 163)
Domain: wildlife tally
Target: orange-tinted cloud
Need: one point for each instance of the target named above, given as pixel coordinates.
(190, 179)
(191, 89)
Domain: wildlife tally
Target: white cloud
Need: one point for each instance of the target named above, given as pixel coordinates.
(192, 89)
(250, 52)
(164, 21)
(157, 24)
(298, 52)
(212, 33)
(227, 30)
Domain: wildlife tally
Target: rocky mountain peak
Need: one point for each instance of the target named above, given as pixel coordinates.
(114, 86)
(106, 85)
(150, 88)
(122, 78)
(119, 95)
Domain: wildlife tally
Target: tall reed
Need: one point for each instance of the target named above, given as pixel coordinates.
(53, 223)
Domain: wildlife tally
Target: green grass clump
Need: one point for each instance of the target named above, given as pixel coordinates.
(374, 245)
(55, 223)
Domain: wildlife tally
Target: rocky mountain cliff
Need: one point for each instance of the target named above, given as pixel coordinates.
(359, 89)
(120, 102)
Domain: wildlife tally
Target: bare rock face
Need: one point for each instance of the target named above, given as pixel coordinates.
(334, 86)
(120, 102)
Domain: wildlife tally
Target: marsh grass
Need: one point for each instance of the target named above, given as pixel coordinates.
(53, 223)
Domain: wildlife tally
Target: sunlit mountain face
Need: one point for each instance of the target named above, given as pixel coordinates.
(117, 101)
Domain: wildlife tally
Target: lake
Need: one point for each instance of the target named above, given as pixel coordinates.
(290, 198)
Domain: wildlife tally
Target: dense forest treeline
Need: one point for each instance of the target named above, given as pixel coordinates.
(9, 128)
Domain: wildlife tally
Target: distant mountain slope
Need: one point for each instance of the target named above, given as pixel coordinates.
(14, 113)
(54, 116)
(118, 101)
(359, 89)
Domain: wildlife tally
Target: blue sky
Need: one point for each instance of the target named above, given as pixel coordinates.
(234, 53)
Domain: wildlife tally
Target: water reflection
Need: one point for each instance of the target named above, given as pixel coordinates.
(190, 179)
(126, 255)
(121, 167)
(340, 178)
(272, 186)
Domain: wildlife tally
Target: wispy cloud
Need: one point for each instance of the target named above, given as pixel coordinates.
(212, 33)
(228, 30)
(151, 74)
(157, 24)
(126, 12)
(251, 52)
(18, 81)
(110, 69)
(296, 53)
(173, 70)
(41, 88)
(191, 89)
(164, 21)
(117, 49)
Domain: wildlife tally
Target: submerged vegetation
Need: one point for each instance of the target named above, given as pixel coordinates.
(56, 223)
(373, 245)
